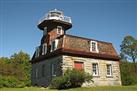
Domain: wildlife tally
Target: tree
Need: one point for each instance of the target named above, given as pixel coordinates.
(129, 48)
(20, 61)
(15, 69)
(128, 75)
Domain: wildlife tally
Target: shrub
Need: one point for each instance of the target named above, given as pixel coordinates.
(71, 78)
(61, 82)
(76, 77)
(8, 81)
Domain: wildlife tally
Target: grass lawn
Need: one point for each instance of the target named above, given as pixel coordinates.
(123, 88)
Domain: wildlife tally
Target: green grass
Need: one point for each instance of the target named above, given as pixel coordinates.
(122, 88)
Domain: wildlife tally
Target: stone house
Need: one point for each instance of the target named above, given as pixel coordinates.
(59, 51)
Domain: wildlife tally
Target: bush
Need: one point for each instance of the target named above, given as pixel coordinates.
(76, 77)
(71, 78)
(61, 82)
(10, 82)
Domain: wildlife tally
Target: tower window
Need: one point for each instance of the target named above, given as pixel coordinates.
(45, 31)
(109, 70)
(54, 45)
(37, 52)
(93, 46)
(95, 70)
(44, 48)
(59, 30)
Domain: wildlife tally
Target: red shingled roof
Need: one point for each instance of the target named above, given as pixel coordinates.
(79, 46)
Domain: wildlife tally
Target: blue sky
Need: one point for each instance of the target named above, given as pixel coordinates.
(106, 20)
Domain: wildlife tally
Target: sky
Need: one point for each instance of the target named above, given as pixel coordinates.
(105, 20)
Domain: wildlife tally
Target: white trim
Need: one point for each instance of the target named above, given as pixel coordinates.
(96, 47)
(43, 70)
(45, 31)
(110, 69)
(36, 73)
(55, 45)
(37, 51)
(44, 48)
(96, 69)
(53, 70)
(59, 32)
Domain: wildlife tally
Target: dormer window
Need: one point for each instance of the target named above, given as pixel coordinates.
(44, 48)
(45, 31)
(93, 46)
(54, 45)
(37, 52)
(59, 30)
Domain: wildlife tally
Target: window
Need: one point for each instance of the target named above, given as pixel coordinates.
(59, 30)
(93, 46)
(53, 70)
(37, 52)
(45, 31)
(54, 45)
(43, 70)
(44, 48)
(95, 69)
(36, 73)
(109, 70)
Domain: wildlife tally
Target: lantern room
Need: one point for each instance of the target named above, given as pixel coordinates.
(55, 18)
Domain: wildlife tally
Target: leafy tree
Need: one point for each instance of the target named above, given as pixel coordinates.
(22, 59)
(15, 69)
(129, 48)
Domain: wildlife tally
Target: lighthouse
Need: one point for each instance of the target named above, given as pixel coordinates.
(59, 51)
(53, 25)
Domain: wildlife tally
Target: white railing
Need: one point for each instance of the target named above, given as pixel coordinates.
(62, 18)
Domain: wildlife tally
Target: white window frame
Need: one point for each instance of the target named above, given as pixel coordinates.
(53, 70)
(61, 31)
(55, 46)
(109, 69)
(44, 48)
(45, 31)
(36, 73)
(37, 51)
(96, 69)
(43, 70)
(96, 46)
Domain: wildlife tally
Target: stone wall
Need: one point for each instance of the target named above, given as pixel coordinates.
(102, 79)
(45, 80)
(64, 62)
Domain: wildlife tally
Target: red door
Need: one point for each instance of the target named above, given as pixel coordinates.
(78, 65)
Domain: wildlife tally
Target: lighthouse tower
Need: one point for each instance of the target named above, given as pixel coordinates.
(54, 24)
